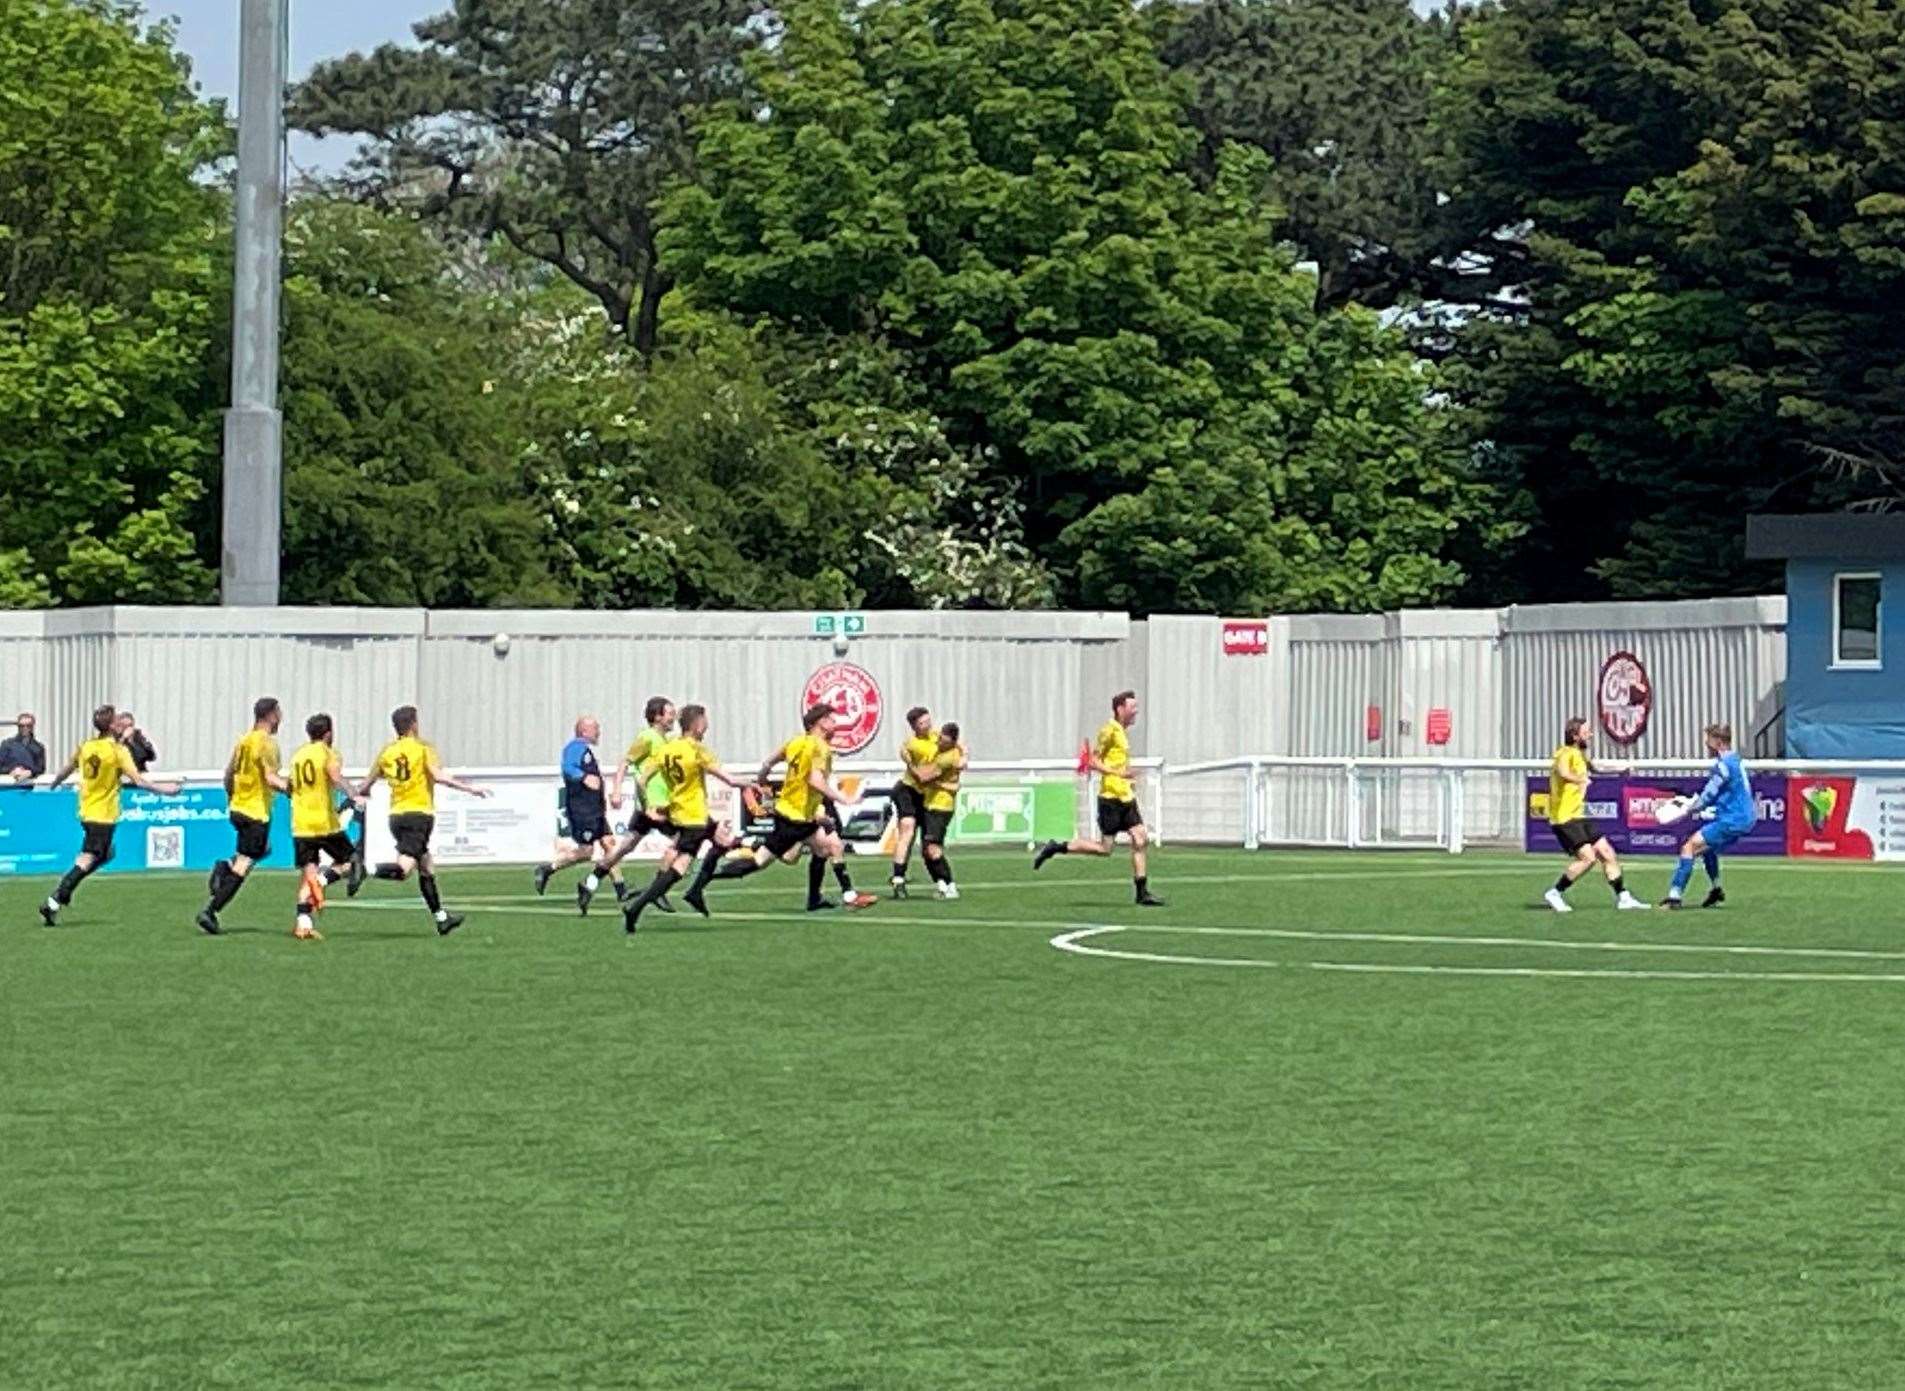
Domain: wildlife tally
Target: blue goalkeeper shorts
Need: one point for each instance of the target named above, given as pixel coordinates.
(1724, 835)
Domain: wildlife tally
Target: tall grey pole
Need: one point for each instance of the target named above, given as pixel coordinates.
(254, 447)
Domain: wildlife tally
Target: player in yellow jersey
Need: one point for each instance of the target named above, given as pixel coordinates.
(1580, 838)
(102, 763)
(918, 752)
(651, 800)
(942, 800)
(316, 832)
(252, 779)
(1110, 758)
(411, 768)
(686, 764)
(802, 816)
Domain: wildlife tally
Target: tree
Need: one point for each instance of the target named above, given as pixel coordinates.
(106, 241)
(996, 190)
(552, 124)
(1338, 94)
(1704, 196)
(403, 484)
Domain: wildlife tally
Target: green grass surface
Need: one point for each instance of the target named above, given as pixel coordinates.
(921, 1148)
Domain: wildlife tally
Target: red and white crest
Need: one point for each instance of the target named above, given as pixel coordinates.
(856, 701)
(1624, 698)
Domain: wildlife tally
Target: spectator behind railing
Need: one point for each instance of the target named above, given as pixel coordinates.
(23, 757)
(126, 730)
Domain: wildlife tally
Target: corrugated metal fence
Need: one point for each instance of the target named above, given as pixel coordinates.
(1024, 685)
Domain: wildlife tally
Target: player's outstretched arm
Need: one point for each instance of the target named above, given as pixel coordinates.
(774, 759)
(164, 789)
(443, 778)
(66, 770)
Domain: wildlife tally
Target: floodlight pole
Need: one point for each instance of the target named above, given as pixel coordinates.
(254, 443)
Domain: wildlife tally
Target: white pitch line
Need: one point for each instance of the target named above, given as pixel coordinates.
(1077, 943)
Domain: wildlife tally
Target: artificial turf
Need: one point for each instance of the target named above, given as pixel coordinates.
(918, 1147)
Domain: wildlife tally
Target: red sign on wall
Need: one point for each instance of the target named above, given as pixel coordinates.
(1624, 698)
(1246, 637)
(1372, 724)
(855, 698)
(1441, 726)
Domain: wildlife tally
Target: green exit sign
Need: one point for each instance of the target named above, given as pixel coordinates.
(853, 624)
(828, 625)
(825, 625)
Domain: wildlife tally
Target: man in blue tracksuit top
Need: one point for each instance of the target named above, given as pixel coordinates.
(584, 802)
(1728, 795)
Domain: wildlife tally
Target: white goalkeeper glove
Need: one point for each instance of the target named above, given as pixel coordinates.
(1673, 810)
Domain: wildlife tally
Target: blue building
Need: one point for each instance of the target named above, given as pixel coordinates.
(1845, 665)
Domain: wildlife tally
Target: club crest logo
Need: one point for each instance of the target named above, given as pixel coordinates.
(856, 701)
(1819, 801)
(1624, 698)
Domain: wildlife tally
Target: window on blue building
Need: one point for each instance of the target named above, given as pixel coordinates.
(1855, 621)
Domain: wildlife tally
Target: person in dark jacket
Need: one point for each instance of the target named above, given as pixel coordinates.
(23, 757)
(127, 730)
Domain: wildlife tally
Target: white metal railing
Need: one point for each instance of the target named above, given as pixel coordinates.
(1430, 803)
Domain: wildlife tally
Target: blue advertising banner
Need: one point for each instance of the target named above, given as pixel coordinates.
(39, 831)
(1623, 808)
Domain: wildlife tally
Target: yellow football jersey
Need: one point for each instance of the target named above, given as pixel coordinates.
(1567, 801)
(806, 755)
(915, 751)
(683, 763)
(101, 762)
(313, 800)
(255, 755)
(405, 765)
(1113, 747)
(942, 793)
(654, 789)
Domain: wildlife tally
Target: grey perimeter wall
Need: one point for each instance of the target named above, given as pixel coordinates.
(1024, 685)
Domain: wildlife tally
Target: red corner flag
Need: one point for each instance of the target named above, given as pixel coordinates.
(1084, 757)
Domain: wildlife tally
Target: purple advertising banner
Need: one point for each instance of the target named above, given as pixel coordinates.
(1623, 808)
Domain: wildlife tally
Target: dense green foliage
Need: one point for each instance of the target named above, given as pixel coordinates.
(1208, 305)
(918, 1148)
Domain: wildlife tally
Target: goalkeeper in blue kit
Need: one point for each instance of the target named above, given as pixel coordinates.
(1728, 801)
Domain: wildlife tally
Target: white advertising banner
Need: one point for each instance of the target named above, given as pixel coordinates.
(520, 822)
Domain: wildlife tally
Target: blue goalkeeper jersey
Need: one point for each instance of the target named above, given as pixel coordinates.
(1729, 792)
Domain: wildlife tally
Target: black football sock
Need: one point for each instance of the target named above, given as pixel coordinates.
(709, 867)
(936, 868)
(1058, 847)
(427, 886)
(1563, 884)
(658, 887)
(945, 870)
(899, 868)
(1618, 885)
(816, 876)
(226, 890)
(332, 874)
(392, 872)
(1143, 884)
(739, 869)
(63, 895)
(841, 877)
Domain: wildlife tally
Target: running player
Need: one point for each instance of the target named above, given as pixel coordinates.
(102, 763)
(583, 801)
(316, 833)
(942, 798)
(1728, 798)
(252, 779)
(411, 768)
(686, 764)
(800, 818)
(917, 754)
(651, 801)
(1110, 758)
(1581, 840)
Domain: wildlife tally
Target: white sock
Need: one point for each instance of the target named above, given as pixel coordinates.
(441, 915)
(592, 883)
(304, 922)
(53, 903)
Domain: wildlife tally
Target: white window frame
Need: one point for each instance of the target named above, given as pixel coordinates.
(1840, 663)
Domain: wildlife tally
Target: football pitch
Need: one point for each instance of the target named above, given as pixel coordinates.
(1327, 1120)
